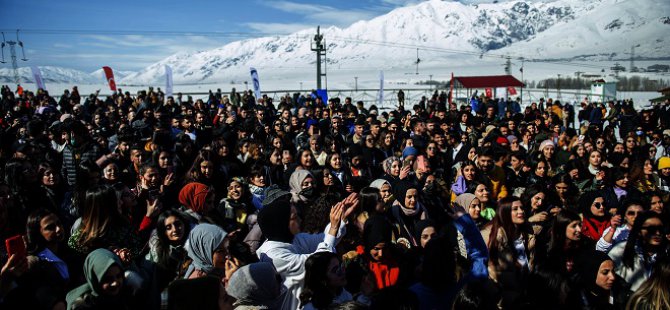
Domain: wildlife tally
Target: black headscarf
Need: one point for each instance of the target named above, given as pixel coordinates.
(420, 226)
(274, 220)
(400, 190)
(377, 230)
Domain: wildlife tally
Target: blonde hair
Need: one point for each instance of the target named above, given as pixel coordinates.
(653, 294)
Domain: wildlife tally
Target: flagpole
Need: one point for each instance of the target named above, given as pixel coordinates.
(522, 83)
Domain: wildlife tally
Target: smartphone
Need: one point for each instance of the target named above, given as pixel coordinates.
(15, 245)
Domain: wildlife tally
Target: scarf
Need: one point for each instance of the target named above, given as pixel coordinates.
(193, 196)
(256, 190)
(386, 274)
(202, 241)
(254, 285)
(388, 163)
(295, 184)
(460, 186)
(95, 266)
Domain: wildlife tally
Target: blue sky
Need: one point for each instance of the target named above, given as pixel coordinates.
(130, 35)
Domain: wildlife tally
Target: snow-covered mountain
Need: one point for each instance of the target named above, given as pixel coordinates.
(557, 29)
(62, 75)
(49, 75)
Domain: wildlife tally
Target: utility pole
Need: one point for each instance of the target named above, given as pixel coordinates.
(579, 83)
(12, 52)
(418, 60)
(320, 49)
(356, 83)
(508, 66)
(558, 87)
(430, 82)
(632, 56)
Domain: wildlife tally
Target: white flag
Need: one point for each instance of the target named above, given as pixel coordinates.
(257, 84)
(381, 88)
(37, 76)
(168, 81)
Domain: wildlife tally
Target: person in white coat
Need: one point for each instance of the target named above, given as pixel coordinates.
(288, 249)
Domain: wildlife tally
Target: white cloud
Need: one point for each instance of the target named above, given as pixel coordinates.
(278, 28)
(323, 14)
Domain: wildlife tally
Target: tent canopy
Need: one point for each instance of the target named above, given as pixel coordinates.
(488, 81)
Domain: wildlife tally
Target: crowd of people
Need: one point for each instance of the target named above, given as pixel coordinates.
(148, 201)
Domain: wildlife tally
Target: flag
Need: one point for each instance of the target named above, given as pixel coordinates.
(168, 81)
(381, 88)
(511, 91)
(257, 84)
(37, 76)
(109, 75)
(489, 92)
(323, 93)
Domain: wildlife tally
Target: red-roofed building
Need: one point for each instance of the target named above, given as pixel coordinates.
(488, 81)
(493, 82)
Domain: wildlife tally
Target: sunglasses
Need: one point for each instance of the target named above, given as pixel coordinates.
(598, 205)
(654, 229)
(631, 213)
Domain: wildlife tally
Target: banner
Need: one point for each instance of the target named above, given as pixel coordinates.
(109, 75)
(257, 83)
(489, 92)
(501, 92)
(381, 88)
(168, 81)
(37, 76)
(511, 91)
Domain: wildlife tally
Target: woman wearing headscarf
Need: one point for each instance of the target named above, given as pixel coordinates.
(197, 201)
(104, 285)
(303, 185)
(255, 286)
(385, 191)
(287, 249)
(204, 247)
(473, 206)
(392, 167)
(406, 211)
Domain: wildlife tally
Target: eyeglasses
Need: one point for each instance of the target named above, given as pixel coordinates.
(653, 229)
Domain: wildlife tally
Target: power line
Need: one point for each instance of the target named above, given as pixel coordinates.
(243, 35)
(148, 32)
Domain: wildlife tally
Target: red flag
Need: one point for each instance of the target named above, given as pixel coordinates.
(489, 92)
(511, 90)
(109, 74)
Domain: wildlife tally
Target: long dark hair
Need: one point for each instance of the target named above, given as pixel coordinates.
(557, 237)
(99, 214)
(35, 241)
(503, 220)
(162, 243)
(634, 237)
(316, 290)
